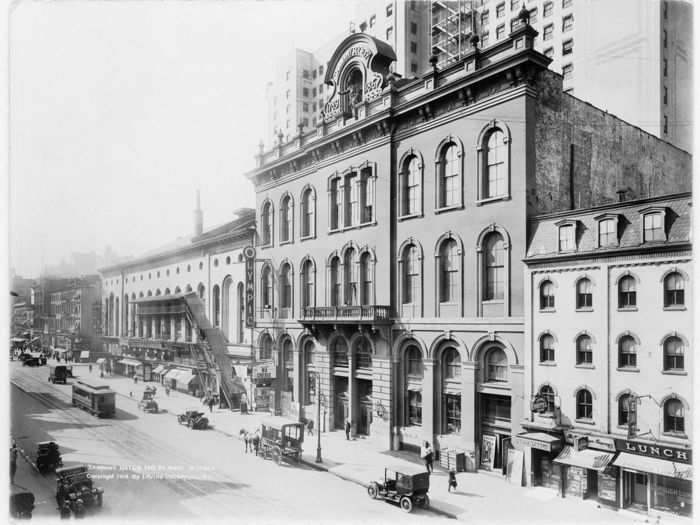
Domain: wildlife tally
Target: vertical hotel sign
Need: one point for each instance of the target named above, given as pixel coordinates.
(249, 254)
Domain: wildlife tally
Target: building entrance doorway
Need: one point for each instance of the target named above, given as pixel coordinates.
(635, 490)
(342, 402)
(364, 396)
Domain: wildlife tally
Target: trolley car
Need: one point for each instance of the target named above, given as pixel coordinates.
(99, 400)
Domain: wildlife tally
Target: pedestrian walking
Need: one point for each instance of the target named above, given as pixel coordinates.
(13, 462)
(90, 368)
(136, 379)
(452, 481)
(211, 404)
(426, 454)
(310, 427)
(167, 391)
(348, 428)
(102, 374)
(256, 441)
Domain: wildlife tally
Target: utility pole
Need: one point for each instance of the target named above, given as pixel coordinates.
(318, 417)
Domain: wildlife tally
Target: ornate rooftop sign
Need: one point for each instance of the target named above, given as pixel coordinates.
(356, 73)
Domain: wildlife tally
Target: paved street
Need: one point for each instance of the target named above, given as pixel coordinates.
(150, 466)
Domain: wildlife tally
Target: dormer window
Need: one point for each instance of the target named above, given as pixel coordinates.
(653, 222)
(607, 230)
(567, 236)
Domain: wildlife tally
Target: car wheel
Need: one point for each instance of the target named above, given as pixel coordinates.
(373, 490)
(406, 504)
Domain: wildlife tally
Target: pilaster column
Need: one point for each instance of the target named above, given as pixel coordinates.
(517, 400)
(154, 327)
(469, 404)
(297, 377)
(172, 328)
(352, 402)
(183, 328)
(431, 406)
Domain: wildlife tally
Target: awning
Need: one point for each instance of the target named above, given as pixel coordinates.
(587, 458)
(100, 361)
(130, 362)
(159, 369)
(85, 354)
(18, 340)
(237, 386)
(175, 373)
(185, 378)
(654, 466)
(538, 440)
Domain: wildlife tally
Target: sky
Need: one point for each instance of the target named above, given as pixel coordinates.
(120, 111)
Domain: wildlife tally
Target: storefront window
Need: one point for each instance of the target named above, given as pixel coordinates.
(453, 413)
(671, 495)
(363, 353)
(340, 353)
(415, 407)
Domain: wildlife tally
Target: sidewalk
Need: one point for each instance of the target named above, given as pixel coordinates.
(481, 497)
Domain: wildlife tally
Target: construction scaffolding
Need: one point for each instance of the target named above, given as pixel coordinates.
(453, 23)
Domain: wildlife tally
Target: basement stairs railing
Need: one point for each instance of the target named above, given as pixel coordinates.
(219, 373)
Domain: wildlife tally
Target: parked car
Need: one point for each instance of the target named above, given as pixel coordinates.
(48, 457)
(59, 373)
(21, 504)
(405, 489)
(75, 487)
(148, 403)
(194, 419)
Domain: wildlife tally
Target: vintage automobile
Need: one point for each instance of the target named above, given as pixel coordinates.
(148, 403)
(21, 504)
(59, 373)
(405, 489)
(34, 360)
(48, 457)
(194, 419)
(74, 486)
(281, 439)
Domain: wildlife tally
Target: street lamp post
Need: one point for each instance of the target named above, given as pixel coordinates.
(318, 417)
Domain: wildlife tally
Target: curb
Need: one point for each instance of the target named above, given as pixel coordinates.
(27, 459)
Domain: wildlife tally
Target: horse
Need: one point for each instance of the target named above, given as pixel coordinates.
(251, 440)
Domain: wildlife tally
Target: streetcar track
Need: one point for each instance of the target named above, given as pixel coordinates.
(183, 486)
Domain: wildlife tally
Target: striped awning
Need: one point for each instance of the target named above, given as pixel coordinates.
(159, 369)
(654, 465)
(587, 458)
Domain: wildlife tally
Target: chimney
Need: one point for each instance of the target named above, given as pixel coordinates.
(621, 195)
(198, 218)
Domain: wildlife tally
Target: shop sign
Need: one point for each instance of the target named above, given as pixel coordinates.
(249, 254)
(263, 371)
(679, 455)
(580, 443)
(596, 442)
(539, 404)
(522, 441)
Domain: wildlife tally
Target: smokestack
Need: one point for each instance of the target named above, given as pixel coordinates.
(198, 218)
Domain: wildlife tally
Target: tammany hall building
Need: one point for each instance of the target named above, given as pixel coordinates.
(391, 237)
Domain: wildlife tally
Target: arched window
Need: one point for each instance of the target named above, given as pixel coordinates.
(495, 169)
(449, 271)
(674, 290)
(158, 292)
(623, 410)
(217, 305)
(335, 202)
(285, 288)
(307, 284)
(674, 354)
(451, 411)
(627, 352)
(411, 275)
(411, 178)
(584, 404)
(266, 287)
(286, 219)
(450, 186)
(178, 290)
(546, 348)
(674, 416)
(200, 291)
(266, 224)
(627, 292)
(335, 281)
(452, 364)
(363, 353)
(496, 365)
(350, 277)
(309, 372)
(308, 212)
(288, 360)
(150, 293)
(413, 383)
(265, 347)
(547, 392)
(494, 267)
(546, 295)
(188, 288)
(584, 350)
(366, 295)
(339, 350)
(167, 291)
(584, 294)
